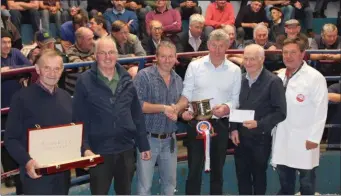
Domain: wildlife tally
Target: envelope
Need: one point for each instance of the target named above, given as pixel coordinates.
(240, 116)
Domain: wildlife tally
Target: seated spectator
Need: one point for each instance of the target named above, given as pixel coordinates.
(47, 9)
(292, 29)
(236, 58)
(10, 58)
(21, 10)
(287, 9)
(128, 45)
(192, 41)
(218, 14)
(328, 39)
(9, 26)
(334, 113)
(150, 43)
(81, 51)
(248, 18)
(276, 24)
(94, 7)
(170, 18)
(71, 8)
(186, 8)
(305, 12)
(67, 30)
(141, 10)
(97, 26)
(44, 41)
(119, 12)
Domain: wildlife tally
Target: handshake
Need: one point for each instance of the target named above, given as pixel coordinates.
(172, 112)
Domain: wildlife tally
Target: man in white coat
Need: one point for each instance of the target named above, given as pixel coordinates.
(297, 138)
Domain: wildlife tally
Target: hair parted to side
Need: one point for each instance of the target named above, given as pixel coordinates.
(219, 34)
(48, 53)
(105, 39)
(298, 41)
(118, 25)
(328, 28)
(196, 18)
(165, 44)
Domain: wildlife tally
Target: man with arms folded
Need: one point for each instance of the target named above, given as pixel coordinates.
(106, 101)
(159, 88)
(262, 92)
(45, 104)
(212, 76)
(296, 146)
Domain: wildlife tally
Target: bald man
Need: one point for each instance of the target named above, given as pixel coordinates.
(262, 92)
(81, 51)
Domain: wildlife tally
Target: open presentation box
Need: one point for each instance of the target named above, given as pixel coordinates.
(58, 148)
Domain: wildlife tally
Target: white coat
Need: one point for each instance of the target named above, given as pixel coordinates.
(307, 105)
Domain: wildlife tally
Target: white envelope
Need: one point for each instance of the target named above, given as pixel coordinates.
(240, 116)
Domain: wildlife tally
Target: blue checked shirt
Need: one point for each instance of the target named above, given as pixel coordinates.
(151, 88)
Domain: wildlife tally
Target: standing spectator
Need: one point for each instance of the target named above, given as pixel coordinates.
(248, 18)
(262, 92)
(67, 30)
(276, 24)
(119, 12)
(97, 26)
(186, 8)
(81, 51)
(21, 10)
(45, 104)
(218, 14)
(128, 45)
(297, 138)
(48, 8)
(170, 18)
(305, 12)
(287, 10)
(72, 7)
(107, 103)
(159, 88)
(214, 67)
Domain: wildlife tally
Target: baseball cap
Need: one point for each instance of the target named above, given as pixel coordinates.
(44, 37)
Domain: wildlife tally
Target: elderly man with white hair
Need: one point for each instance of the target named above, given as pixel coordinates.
(262, 92)
(261, 37)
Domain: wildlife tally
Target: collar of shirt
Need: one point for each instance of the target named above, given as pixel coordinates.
(156, 72)
(279, 22)
(207, 61)
(158, 12)
(156, 43)
(251, 81)
(194, 42)
(217, 8)
(117, 12)
(45, 89)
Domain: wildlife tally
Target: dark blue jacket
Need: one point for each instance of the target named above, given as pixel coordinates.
(113, 123)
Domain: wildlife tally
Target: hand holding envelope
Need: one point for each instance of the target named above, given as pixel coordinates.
(244, 116)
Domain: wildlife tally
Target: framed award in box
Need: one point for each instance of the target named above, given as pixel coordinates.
(58, 149)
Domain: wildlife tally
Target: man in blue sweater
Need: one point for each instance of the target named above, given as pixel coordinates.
(106, 101)
(44, 104)
(119, 12)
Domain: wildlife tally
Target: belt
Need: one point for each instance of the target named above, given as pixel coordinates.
(161, 136)
(218, 119)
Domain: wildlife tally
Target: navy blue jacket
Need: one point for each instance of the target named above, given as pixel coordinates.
(113, 123)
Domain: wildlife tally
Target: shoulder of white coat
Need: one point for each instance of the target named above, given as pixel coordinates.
(312, 72)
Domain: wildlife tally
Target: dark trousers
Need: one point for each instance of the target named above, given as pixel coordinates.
(32, 15)
(120, 166)
(196, 158)
(251, 160)
(287, 179)
(54, 184)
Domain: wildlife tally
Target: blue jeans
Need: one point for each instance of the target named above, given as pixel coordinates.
(45, 20)
(288, 12)
(167, 162)
(287, 179)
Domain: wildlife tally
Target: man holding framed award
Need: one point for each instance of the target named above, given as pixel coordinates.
(106, 102)
(41, 104)
(212, 86)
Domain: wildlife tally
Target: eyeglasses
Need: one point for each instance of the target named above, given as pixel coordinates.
(109, 53)
(50, 69)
